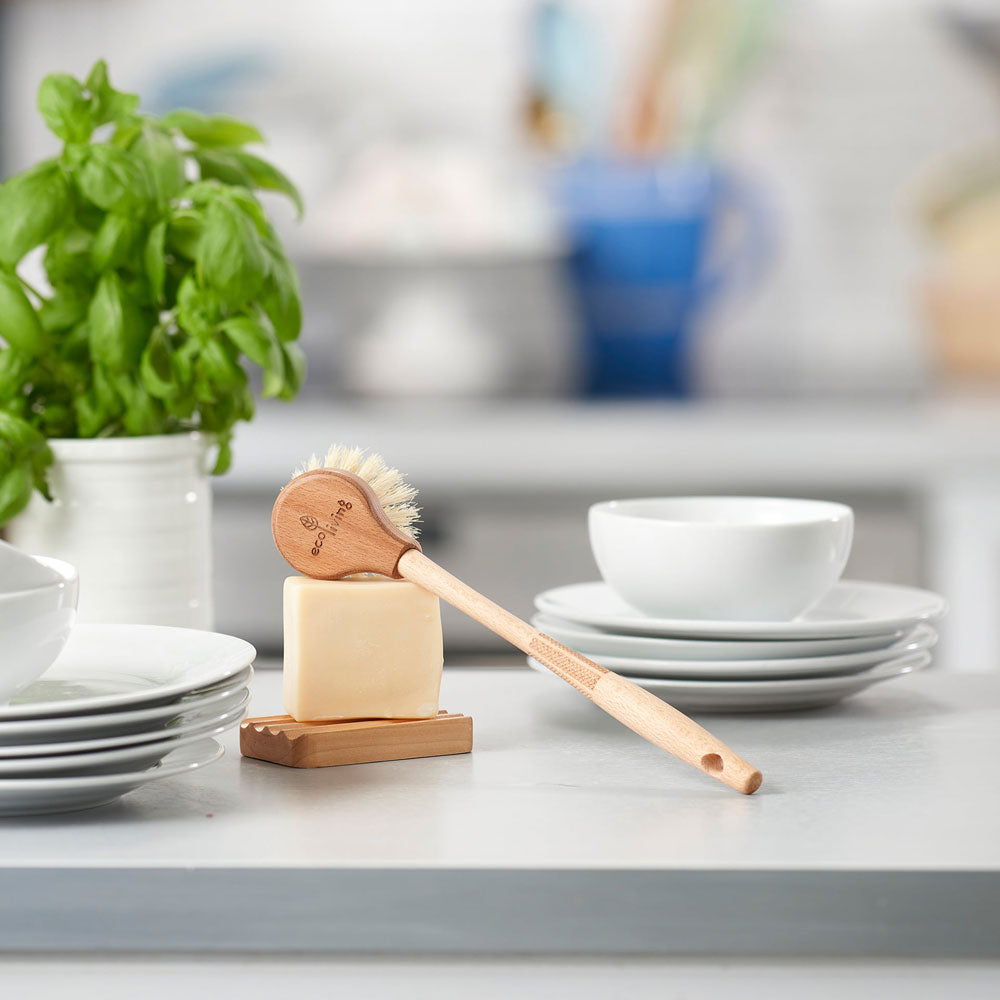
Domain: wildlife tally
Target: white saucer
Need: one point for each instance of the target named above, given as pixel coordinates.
(592, 641)
(923, 637)
(852, 608)
(130, 723)
(206, 722)
(770, 695)
(105, 667)
(117, 760)
(35, 796)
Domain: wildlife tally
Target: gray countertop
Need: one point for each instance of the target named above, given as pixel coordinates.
(550, 446)
(877, 831)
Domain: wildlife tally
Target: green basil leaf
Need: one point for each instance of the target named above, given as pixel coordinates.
(246, 404)
(115, 242)
(72, 156)
(183, 362)
(20, 327)
(117, 327)
(143, 414)
(212, 130)
(156, 370)
(251, 337)
(205, 394)
(97, 78)
(183, 406)
(274, 383)
(74, 354)
(55, 420)
(26, 447)
(112, 180)
(16, 485)
(90, 415)
(280, 299)
(19, 438)
(224, 456)
(184, 232)
(65, 107)
(39, 466)
(14, 369)
(221, 165)
(164, 163)
(155, 259)
(32, 205)
(108, 104)
(69, 258)
(231, 257)
(198, 309)
(267, 177)
(251, 207)
(125, 134)
(100, 407)
(204, 192)
(220, 370)
(62, 312)
(217, 414)
(295, 370)
(105, 392)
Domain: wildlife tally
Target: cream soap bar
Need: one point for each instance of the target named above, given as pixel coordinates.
(361, 649)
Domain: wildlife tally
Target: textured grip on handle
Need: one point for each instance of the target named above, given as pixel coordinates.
(566, 663)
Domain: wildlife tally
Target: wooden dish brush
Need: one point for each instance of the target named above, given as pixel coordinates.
(353, 514)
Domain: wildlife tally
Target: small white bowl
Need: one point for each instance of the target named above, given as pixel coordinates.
(721, 558)
(35, 623)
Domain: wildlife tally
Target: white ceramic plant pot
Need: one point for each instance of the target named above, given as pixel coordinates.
(134, 516)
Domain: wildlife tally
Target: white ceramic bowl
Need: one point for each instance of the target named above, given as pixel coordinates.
(721, 558)
(35, 623)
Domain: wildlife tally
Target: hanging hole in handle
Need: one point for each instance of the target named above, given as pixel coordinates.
(712, 763)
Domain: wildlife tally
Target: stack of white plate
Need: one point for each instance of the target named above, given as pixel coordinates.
(122, 705)
(859, 634)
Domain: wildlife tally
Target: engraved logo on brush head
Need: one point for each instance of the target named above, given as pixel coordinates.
(325, 529)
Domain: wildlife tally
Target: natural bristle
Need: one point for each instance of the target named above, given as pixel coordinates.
(394, 494)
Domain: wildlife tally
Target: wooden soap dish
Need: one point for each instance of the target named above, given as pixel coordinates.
(282, 740)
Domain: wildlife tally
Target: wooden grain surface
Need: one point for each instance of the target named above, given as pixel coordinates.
(281, 740)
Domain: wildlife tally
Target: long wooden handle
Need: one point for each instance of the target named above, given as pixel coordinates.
(644, 713)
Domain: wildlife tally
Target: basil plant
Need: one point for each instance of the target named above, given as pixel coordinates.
(164, 278)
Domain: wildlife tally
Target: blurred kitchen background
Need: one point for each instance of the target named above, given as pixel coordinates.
(556, 252)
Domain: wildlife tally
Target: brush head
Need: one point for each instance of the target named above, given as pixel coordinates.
(349, 514)
(394, 494)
